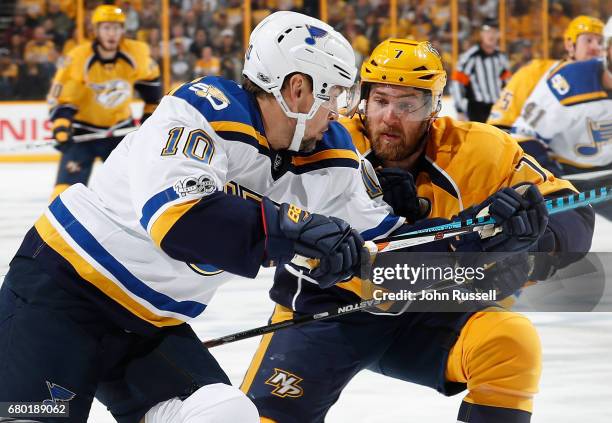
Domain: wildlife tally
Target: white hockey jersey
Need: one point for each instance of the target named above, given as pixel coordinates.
(205, 137)
(571, 112)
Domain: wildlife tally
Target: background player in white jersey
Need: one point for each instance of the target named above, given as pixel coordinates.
(583, 41)
(566, 123)
(97, 298)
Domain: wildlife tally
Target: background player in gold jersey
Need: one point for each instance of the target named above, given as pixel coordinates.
(460, 167)
(92, 91)
(583, 41)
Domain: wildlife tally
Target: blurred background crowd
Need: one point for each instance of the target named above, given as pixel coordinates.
(206, 36)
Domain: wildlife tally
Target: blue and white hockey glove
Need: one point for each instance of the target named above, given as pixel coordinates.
(290, 230)
(522, 218)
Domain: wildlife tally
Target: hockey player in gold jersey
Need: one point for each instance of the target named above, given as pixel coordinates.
(92, 91)
(297, 374)
(583, 41)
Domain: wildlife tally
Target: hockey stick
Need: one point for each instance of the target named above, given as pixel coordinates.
(105, 134)
(298, 321)
(77, 138)
(262, 330)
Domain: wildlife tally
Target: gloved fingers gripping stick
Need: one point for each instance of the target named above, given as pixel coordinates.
(369, 248)
(290, 230)
(520, 216)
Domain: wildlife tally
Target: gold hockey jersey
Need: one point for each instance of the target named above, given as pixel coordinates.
(97, 91)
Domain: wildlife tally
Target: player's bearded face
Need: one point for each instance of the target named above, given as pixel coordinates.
(109, 35)
(396, 119)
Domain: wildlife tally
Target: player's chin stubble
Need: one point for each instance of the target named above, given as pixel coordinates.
(403, 147)
(308, 144)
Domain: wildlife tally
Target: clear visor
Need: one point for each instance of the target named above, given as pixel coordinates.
(341, 101)
(417, 106)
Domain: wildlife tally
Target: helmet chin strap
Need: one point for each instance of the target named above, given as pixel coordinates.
(298, 134)
(300, 126)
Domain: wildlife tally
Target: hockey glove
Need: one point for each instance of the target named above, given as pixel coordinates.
(546, 261)
(522, 218)
(400, 192)
(290, 230)
(62, 133)
(505, 276)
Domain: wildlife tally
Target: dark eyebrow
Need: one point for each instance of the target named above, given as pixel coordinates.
(395, 96)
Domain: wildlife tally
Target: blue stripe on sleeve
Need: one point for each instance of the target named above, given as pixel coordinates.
(88, 243)
(383, 228)
(155, 203)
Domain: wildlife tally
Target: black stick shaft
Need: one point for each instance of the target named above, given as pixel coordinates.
(262, 330)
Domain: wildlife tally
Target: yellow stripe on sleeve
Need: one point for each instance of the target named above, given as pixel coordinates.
(230, 126)
(86, 271)
(581, 98)
(572, 163)
(325, 155)
(167, 219)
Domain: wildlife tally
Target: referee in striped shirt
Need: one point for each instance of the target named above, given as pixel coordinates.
(480, 76)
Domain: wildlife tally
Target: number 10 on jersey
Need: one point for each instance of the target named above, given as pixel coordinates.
(198, 144)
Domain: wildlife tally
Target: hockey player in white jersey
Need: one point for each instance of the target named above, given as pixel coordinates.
(97, 298)
(566, 123)
(583, 41)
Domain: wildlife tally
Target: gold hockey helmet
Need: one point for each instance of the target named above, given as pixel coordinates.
(107, 13)
(405, 62)
(581, 25)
